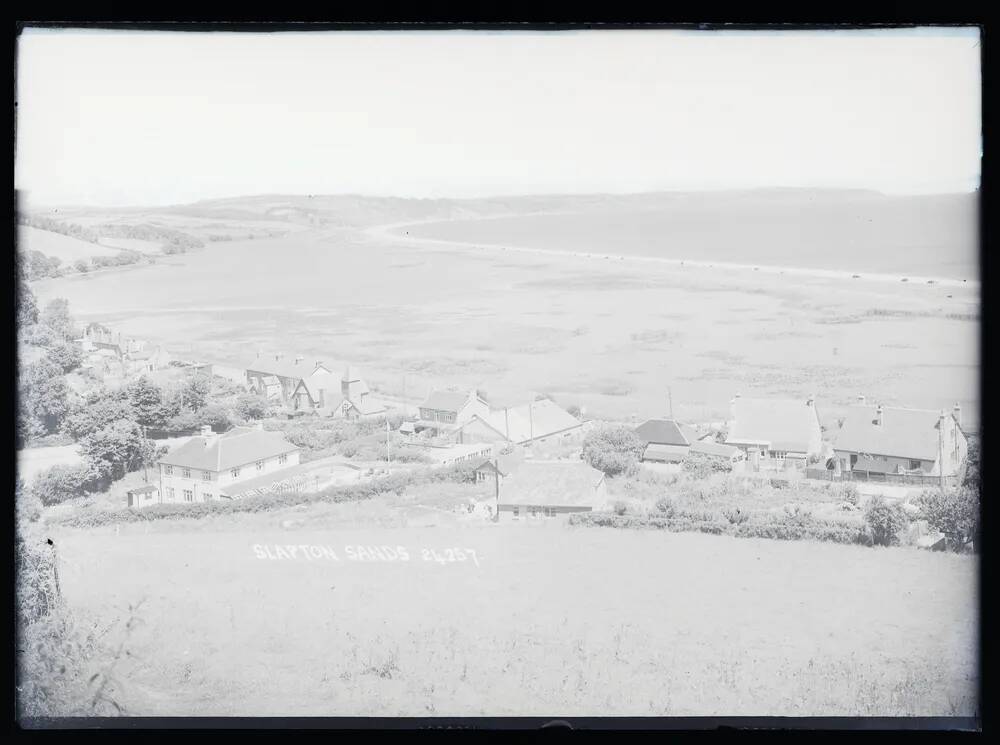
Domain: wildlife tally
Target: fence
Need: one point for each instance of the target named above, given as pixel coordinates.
(902, 479)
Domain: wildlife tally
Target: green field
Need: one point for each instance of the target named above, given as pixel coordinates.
(548, 620)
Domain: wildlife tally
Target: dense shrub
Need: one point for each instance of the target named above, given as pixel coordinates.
(620, 508)
(849, 493)
(955, 513)
(885, 521)
(702, 466)
(62, 482)
(613, 449)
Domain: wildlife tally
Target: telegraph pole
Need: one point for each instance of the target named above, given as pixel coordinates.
(941, 450)
(670, 396)
(388, 459)
(496, 481)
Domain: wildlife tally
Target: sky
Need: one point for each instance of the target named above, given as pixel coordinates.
(117, 118)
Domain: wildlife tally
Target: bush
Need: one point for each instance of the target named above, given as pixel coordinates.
(620, 508)
(885, 521)
(849, 493)
(954, 513)
(61, 482)
(666, 506)
(614, 450)
(702, 466)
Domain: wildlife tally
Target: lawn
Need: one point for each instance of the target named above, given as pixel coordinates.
(547, 620)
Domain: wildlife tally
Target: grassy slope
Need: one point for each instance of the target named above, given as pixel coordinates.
(554, 621)
(67, 249)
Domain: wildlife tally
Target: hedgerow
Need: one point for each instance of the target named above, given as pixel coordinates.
(393, 483)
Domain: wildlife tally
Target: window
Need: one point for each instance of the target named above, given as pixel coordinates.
(206, 475)
(517, 511)
(188, 495)
(208, 496)
(283, 458)
(168, 470)
(186, 473)
(149, 495)
(914, 465)
(170, 494)
(235, 473)
(260, 465)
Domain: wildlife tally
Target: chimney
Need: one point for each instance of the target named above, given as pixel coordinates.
(299, 359)
(957, 413)
(861, 399)
(878, 416)
(811, 400)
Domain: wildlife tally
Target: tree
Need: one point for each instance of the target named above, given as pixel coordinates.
(66, 355)
(146, 400)
(56, 316)
(117, 449)
(575, 410)
(81, 266)
(954, 513)
(44, 393)
(613, 450)
(250, 407)
(194, 392)
(885, 521)
(971, 479)
(27, 308)
(96, 414)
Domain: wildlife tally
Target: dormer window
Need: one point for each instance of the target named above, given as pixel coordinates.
(260, 465)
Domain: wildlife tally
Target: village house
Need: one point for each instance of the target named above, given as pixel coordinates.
(350, 399)
(665, 440)
(213, 466)
(536, 421)
(889, 440)
(531, 489)
(445, 411)
(143, 495)
(276, 377)
(775, 433)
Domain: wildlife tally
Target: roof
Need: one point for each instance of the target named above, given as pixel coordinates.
(364, 405)
(904, 433)
(666, 432)
(290, 477)
(716, 449)
(530, 421)
(665, 453)
(446, 400)
(553, 484)
(143, 489)
(784, 424)
(284, 368)
(506, 464)
(237, 447)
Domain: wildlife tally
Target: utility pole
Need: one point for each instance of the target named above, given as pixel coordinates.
(388, 458)
(496, 480)
(145, 471)
(941, 449)
(531, 423)
(670, 395)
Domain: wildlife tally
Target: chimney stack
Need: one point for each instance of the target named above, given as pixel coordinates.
(811, 400)
(861, 399)
(299, 359)
(878, 416)
(957, 413)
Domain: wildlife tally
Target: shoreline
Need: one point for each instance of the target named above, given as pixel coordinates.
(391, 233)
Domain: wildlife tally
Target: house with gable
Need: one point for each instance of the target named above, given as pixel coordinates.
(536, 421)
(444, 411)
(665, 440)
(350, 398)
(900, 441)
(535, 489)
(276, 377)
(775, 432)
(213, 466)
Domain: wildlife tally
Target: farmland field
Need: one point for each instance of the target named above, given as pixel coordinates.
(65, 248)
(548, 620)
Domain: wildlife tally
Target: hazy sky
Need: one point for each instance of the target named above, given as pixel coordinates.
(131, 117)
